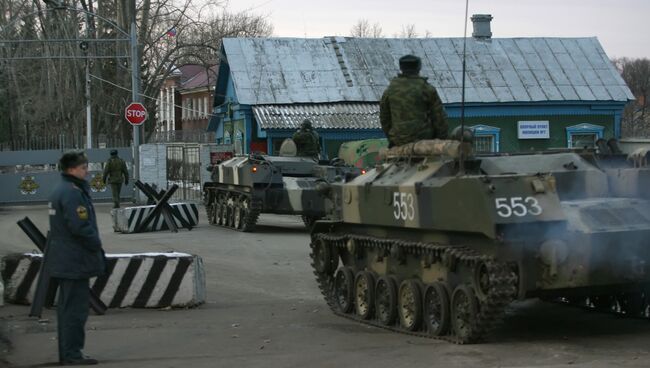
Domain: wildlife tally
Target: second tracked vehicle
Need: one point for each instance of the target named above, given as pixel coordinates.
(245, 186)
(434, 245)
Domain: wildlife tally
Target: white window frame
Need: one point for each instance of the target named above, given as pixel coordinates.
(481, 130)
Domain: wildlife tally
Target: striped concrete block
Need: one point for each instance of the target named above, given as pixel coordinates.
(127, 219)
(145, 280)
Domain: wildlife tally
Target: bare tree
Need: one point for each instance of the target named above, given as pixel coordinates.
(408, 31)
(636, 73)
(47, 96)
(363, 28)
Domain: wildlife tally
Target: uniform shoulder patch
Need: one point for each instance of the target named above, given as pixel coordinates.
(82, 212)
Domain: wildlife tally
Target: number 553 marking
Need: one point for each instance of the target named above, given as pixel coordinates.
(403, 208)
(518, 206)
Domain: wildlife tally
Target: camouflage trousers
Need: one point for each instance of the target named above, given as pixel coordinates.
(115, 190)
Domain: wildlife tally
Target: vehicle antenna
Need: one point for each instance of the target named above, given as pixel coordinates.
(462, 98)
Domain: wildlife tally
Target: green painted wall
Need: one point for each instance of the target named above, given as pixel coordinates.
(558, 124)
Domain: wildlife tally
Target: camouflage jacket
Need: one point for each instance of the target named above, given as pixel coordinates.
(307, 143)
(115, 171)
(411, 110)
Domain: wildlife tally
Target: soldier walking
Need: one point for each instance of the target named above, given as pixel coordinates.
(74, 255)
(307, 140)
(116, 173)
(410, 108)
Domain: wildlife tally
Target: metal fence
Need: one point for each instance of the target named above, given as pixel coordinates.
(183, 169)
(182, 136)
(61, 142)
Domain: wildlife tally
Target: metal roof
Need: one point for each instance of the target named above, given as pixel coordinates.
(337, 69)
(322, 116)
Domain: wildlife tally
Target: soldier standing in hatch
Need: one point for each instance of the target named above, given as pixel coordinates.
(116, 172)
(307, 141)
(410, 109)
(74, 254)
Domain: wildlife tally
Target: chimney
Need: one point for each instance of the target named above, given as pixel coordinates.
(482, 26)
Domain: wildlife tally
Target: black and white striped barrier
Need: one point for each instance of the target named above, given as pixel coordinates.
(146, 280)
(127, 220)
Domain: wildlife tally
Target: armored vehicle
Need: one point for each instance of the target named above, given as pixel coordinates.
(245, 186)
(432, 245)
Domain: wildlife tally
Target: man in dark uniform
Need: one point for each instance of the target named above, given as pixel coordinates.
(307, 140)
(116, 173)
(74, 254)
(410, 109)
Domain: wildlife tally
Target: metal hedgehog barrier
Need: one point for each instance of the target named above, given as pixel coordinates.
(157, 215)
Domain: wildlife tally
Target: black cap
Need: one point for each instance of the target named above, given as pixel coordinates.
(306, 124)
(113, 152)
(72, 159)
(410, 64)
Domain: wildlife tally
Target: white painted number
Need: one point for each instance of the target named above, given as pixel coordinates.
(535, 209)
(403, 206)
(502, 207)
(517, 206)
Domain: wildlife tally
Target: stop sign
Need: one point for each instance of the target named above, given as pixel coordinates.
(135, 113)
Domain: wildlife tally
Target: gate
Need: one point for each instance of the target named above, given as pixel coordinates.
(30, 176)
(183, 169)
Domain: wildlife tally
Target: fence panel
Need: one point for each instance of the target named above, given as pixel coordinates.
(30, 176)
(183, 169)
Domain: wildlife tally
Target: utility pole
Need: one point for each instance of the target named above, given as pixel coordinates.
(135, 91)
(89, 124)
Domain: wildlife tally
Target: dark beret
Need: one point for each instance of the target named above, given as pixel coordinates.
(72, 159)
(410, 63)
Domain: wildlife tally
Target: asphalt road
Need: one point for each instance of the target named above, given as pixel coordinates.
(264, 310)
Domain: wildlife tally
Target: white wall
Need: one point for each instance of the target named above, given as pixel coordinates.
(153, 165)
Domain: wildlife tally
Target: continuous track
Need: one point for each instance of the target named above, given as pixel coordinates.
(491, 306)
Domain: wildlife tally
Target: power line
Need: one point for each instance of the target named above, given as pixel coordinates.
(143, 95)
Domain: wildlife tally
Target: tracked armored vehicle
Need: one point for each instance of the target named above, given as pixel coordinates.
(425, 246)
(245, 186)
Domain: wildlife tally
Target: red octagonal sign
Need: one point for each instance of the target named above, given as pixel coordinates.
(135, 113)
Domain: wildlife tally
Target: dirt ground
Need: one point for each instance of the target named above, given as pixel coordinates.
(264, 309)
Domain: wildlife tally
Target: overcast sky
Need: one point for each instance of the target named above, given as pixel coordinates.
(620, 25)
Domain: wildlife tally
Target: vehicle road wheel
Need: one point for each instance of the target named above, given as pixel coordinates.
(436, 309)
(464, 310)
(410, 304)
(386, 300)
(632, 304)
(323, 257)
(364, 294)
(343, 289)
(219, 212)
(237, 216)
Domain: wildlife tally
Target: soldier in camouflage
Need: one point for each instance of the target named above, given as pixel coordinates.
(307, 140)
(116, 173)
(410, 109)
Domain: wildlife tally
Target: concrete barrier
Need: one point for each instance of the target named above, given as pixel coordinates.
(144, 280)
(126, 220)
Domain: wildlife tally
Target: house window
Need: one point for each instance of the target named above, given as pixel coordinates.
(486, 138)
(583, 135)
